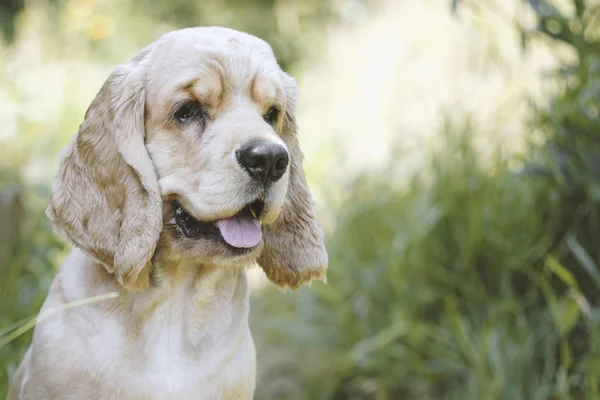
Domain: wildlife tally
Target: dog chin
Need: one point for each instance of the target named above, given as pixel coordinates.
(236, 259)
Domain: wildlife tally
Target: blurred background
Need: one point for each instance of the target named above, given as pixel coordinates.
(454, 151)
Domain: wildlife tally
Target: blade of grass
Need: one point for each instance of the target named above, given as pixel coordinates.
(30, 323)
(563, 273)
(584, 258)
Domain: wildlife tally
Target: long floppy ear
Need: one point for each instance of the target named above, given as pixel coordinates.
(294, 251)
(105, 198)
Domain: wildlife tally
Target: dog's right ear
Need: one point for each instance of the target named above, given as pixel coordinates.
(105, 198)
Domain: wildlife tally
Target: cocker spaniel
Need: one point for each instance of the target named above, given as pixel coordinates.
(185, 171)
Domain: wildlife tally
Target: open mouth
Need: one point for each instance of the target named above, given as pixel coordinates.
(241, 231)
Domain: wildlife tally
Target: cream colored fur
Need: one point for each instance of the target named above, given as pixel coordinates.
(179, 326)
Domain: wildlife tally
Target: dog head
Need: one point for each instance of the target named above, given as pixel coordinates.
(192, 145)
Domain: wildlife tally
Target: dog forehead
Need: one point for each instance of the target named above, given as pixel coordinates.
(193, 47)
(230, 56)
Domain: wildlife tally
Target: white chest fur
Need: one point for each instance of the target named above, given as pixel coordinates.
(188, 339)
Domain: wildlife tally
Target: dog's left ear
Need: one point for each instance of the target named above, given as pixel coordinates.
(294, 251)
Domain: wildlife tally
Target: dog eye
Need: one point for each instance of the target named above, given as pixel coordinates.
(272, 115)
(187, 111)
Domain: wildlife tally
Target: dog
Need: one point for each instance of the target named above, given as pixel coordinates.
(185, 171)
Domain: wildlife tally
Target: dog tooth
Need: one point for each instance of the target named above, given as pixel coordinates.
(253, 213)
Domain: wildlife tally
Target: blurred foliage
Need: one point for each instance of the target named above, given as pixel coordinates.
(28, 252)
(461, 288)
(477, 282)
(8, 12)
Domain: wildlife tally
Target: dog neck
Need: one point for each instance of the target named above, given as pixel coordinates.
(202, 303)
(201, 299)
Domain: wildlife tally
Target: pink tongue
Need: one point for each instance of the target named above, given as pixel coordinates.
(241, 231)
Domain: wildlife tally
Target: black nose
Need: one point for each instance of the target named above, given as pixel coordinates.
(265, 161)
